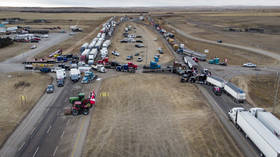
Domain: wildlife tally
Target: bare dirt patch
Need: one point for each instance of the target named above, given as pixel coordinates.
(154, 115)
(13, 109)
(150, 40)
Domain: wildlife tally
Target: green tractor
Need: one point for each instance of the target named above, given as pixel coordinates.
(81, 98)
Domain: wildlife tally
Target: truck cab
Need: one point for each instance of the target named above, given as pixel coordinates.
(232, 114)
(254, 111)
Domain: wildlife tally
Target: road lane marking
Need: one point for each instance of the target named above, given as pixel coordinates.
(36, 151)
(56, 148)
(49, 129)
(78, 137)
(67, 122)
(21, 147)
(62, 134)
(33, 131)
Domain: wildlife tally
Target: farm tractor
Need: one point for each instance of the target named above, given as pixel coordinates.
(80, 104)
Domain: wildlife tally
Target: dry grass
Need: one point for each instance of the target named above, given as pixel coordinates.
(151, 42)
(14, 50)
(13, 86)
(261, 90)
(234, 56)
(154, 115)
(211, 26)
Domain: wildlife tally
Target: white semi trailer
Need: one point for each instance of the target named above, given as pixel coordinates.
(267, 119)
(266, 142)
(238, 94)
(215, 81)
(190, 62)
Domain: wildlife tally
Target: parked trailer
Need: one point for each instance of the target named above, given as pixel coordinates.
(267, 119)
(83, 47)
(106, 43)
(98, 44)
(190, 62)
(92, 44)
(238, 94)
(215, 81)
(192, 53)
(266, 142)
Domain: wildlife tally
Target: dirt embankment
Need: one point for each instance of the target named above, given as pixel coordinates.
(154, 115)
(13, 106)
(150, 40)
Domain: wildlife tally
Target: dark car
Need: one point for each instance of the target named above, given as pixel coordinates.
(50, 88)
(139, 41)
(137, 54)
(60, 83)
(217, 91)
(219, 41)
(124, 41)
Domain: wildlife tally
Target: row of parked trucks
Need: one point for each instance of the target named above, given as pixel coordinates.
(260, 126)
(98, 45)
(229, 88)
(179, 47)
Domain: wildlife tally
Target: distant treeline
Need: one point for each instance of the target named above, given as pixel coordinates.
(76, 11)
(5, 42)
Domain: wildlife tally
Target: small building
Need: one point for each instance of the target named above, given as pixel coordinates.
(3, 28)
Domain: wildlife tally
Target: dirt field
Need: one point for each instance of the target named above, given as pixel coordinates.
(261, 90)
(166, 120)
(13, 86)
(212, 25)
(151, 42)
(13, 50)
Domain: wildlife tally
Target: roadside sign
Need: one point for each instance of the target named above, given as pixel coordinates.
(206, 51)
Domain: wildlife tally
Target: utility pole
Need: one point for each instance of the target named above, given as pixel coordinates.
(276, 93)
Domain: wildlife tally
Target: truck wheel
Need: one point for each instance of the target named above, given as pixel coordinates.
(75, 112)
(86, 111)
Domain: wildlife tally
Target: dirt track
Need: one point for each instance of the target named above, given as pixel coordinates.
(151, 42)
(154, 115)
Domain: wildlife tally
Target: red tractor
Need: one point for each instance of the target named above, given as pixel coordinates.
(131, 65)
(80, 107)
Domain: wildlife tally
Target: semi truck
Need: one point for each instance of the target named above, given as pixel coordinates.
(75, 74)
(83, 47)
(60, 74)
(190, 62)
(267, 119)
(264, 140)
(238, 94)
(215, 81)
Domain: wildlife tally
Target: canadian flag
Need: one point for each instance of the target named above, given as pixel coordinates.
(92, 97)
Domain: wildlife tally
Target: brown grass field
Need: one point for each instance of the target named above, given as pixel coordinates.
(211, 25)
(166, 120)
(13, 86)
